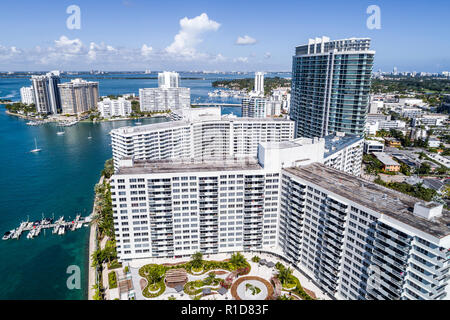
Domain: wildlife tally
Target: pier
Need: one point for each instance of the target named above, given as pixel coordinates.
(59, 227)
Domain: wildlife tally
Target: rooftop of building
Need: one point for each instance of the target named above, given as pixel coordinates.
(289, 144)
(180, 123)
(338, 141)
(190, 165)
(385, 159)
(386, 201)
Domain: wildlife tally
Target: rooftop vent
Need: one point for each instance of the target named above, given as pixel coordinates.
(428, 210)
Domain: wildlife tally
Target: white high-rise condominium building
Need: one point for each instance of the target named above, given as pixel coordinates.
(375, 243)
(359, 240)
(78, 96)
(330, 86)
(220, 137)
(164, 99)
(259, 83)
(120, 107)
(46, 93)
(168, 79)
(27, 95)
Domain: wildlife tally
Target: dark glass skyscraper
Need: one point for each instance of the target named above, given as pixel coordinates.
(330, 86)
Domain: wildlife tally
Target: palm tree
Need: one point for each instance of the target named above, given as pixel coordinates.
(285, 274)
(197, 260)
(238, 260)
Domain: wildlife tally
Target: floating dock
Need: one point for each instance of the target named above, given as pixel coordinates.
(34, 228)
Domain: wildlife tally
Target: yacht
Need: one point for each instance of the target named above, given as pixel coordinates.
(90, 136)
(60, 132)
(36, 149)
(30, 234)
(62, 230)
(8, 235)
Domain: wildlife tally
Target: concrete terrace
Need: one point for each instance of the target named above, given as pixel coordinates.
(191, 165)
(378, 198)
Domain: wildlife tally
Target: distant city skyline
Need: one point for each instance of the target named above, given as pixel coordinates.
(136, 35)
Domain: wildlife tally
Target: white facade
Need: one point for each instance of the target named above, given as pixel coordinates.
(238, 137)
(372, 244)
(430, 120)
(179, 207)
(273, 108)
(373, 146)
(359, 240)
(27, 95)
(164, 99)
(412, 102)
(259, 83)
(46, 93)
(168, 79)
(411, 112)
(114, 107)
(376, 106)
(371, 127)
(344, 152)
(254, 107)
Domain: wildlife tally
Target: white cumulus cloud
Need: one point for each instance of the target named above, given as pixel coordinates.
(68, 46)
(190, 35)
(245, 40)
(241, 59)
(146, 50)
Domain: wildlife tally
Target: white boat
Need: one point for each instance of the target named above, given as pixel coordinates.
(62, 230)
(90, 136)
(36, 149)
(30, 234)
(79, 225)
(55, 229)
(37, 231)
(8, 234)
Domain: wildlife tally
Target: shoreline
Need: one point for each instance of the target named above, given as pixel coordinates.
(92, 272)
(83, 121)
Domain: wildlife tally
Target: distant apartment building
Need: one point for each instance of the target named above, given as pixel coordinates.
(168, 79)
(373, 146)
(164, 99)
(46, 93)
(27, 95)
(114, 107)
(253, 107)
(259, 83)
(376, 106)
(430, 120)
(330, 86)
(78, 96)
(168, 95)
(409, 112)
(256, 107)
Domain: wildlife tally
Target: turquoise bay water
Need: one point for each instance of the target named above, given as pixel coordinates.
(57, 181)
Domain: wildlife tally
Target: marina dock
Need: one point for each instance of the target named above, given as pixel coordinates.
(59, 227)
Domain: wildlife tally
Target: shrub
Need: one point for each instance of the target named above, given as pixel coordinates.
(112, 280)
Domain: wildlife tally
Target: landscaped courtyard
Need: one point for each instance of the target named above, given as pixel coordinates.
(234, 276)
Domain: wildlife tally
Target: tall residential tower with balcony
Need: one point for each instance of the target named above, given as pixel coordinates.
(330, 86)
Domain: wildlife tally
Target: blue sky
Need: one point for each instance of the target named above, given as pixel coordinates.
(141, 34)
